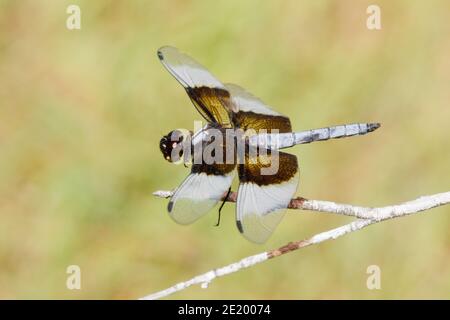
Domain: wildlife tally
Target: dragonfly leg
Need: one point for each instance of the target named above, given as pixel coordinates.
(221, 206)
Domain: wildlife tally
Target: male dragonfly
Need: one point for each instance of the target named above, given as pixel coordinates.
(261, 199)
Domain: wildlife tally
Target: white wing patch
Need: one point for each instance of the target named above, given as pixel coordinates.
(198, 194)
(260, 209)
(186, 70)
(245, 101)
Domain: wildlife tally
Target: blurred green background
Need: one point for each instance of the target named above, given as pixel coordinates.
(82, 112)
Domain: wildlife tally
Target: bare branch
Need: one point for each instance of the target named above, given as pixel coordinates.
(367, 216)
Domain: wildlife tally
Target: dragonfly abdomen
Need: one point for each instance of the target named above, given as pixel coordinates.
(286, 140)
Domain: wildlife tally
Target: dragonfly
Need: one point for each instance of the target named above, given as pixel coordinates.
(262, 199)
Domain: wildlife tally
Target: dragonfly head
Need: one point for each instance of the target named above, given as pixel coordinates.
(174, 144)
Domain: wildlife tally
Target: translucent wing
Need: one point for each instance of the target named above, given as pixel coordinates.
(251, 113)
(262, 199)
(200, 192)
(208, 94)
(247, 102)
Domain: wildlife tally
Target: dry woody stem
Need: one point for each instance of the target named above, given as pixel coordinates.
(366, 216)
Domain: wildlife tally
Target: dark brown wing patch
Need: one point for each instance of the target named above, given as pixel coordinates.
(212, 103)
(250, 171)
(251, 120)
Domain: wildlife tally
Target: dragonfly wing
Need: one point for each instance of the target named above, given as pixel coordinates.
(208, 94)
(263, 198)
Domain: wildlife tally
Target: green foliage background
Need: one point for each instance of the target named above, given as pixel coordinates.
(82, 112)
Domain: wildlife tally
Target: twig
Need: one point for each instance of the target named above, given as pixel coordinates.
(367, 216)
